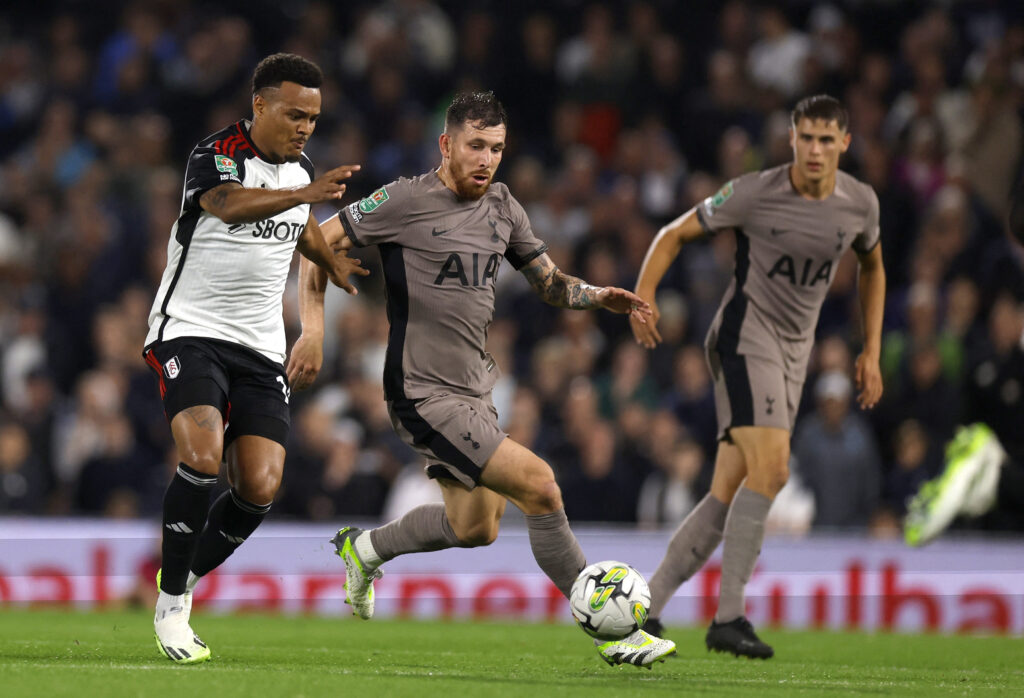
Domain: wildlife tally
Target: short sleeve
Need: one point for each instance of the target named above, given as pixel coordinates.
(869, 237)
(523, 245)
(730, 205)
(379, 217)
(207, 169)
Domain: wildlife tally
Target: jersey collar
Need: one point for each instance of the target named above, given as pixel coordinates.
(243, 127)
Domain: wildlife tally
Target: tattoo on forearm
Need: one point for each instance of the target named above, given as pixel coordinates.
(539, 273)
(579, 295)
(205, 417)
(559, 289)
(218, 196)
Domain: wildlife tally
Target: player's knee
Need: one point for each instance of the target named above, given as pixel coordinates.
(259, 485)
(545, 496)
(775, 474)
(206, 462)
(478, 534)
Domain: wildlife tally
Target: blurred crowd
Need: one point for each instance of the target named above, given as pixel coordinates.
(621, 116)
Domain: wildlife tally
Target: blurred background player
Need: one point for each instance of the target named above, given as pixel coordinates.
(442, 236)
(216, 334)
(983, 477)
(792, 224)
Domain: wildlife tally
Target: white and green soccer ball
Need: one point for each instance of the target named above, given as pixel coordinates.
(610, 600)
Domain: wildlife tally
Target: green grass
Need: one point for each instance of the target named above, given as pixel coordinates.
(64, 653)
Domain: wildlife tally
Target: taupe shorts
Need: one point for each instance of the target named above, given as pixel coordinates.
(457, 434)
(752, 391)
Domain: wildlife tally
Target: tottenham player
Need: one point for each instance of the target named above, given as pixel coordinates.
(216, 335)
(792, 224)
(442, 236)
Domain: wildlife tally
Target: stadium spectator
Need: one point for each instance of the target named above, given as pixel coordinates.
(23, 485)
(669, 493)
(915, 460)
(837, 457)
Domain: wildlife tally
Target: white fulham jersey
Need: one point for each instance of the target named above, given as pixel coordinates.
(226, 281)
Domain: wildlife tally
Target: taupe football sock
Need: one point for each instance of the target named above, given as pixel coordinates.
(556, 549)
(421, 530)
(691, 546)
(744, 533)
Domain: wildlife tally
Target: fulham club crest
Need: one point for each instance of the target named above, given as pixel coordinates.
(172, 367)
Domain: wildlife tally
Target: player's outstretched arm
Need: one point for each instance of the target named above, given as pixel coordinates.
(233, 203)
(871, 292)
(563, 291)
(307, 354)
(663, 250)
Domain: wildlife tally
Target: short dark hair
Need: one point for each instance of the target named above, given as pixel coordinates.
(481, 107)
(282, 67)
(821, 107)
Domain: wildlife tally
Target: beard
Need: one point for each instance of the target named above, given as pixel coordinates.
(466, 188)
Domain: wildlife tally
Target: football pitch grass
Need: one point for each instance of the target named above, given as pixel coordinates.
(57, 652)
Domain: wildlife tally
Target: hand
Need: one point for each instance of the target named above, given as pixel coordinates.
(305, 361)
(327, 187)
(619, 300)
(345, 266)
(868, 379)
(646, 333)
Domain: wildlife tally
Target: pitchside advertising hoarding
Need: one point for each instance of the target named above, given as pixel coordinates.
(966, 586)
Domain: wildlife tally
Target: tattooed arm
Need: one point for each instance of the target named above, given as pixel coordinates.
(563, 291)
(559, 289)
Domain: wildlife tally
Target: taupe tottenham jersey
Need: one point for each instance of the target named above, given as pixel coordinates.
(787, 250)
(441, 256)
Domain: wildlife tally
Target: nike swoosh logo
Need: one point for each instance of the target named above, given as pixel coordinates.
(435, 232)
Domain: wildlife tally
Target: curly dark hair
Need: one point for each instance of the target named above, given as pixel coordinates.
(481, 107)
(821, 107)
(281, 67)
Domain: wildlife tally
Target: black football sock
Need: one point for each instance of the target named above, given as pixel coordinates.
(232, 520)
(185, 504)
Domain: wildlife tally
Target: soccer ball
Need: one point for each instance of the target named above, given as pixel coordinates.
(609, 600)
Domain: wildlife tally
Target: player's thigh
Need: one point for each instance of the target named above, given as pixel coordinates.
(258, 399)
(730, 470)
(193, 387)
(198, 433)
(474, 514)
(255, 467)
(523, 477)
